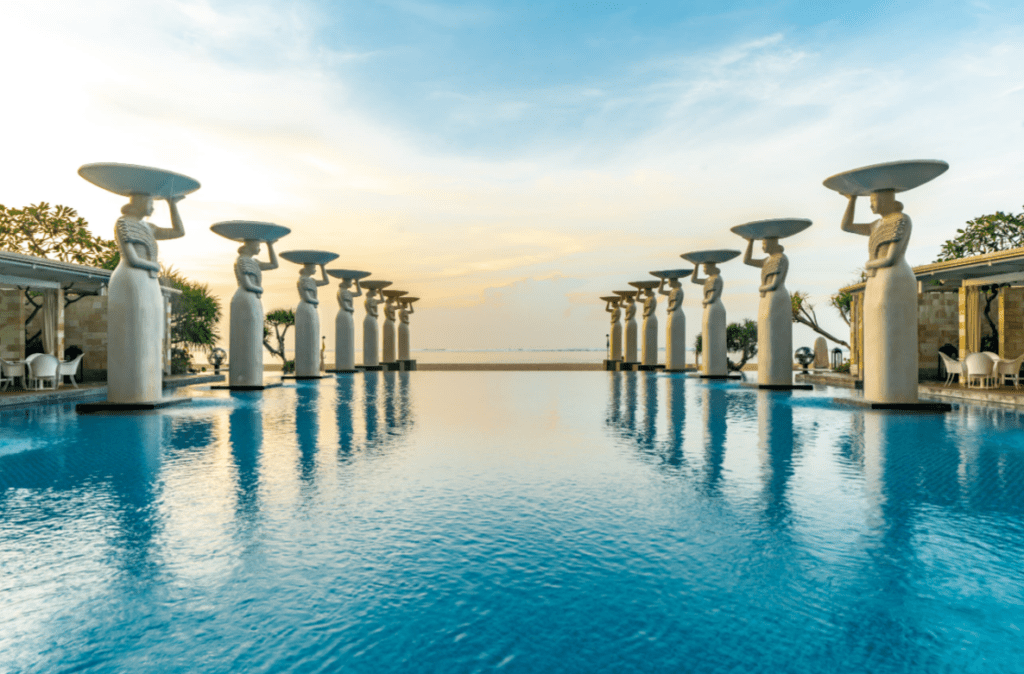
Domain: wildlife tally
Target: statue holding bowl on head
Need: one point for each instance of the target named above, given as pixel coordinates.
(135, 304)
(245, 363)
(629, 303)
(371, 341)
(675, 329)
(388, 342)
(775, 311)
(404, 312)
(649, 346)
(611, 305)
(890, 296)
(713, 341)
(307, 317)
(344, 322)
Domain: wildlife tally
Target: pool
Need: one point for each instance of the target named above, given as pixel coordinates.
(515, 522)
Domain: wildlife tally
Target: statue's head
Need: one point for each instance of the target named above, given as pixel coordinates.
(346, 283)
(307, 270)
(250, 247)
(675, 283)
(772, 246)
(710, 268)
(138, 206)
(884, 202)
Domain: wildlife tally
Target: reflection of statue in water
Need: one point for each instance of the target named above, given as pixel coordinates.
(631, 327)
(246, 342)
(774, 315)
(890, 302)
(404, 346)
(615, 339)
(649, 353)
(713, 349)
(135, 305)
(307, 322)
(675, 328)
(344, 326)
(371, 353)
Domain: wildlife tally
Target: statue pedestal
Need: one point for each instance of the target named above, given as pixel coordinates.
(243, 387)
(119, 408)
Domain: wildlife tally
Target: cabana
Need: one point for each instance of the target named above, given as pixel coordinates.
(951, 302)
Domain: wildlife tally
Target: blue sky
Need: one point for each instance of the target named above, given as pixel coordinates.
(510, 162)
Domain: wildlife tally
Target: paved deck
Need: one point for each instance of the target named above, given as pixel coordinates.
(1001, 395)
(17, 398)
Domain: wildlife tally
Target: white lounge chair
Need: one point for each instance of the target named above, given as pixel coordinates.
(954, 368)
(1009, 369)
(979, 366)
(69, 368)
(11, 370)
(42, 367)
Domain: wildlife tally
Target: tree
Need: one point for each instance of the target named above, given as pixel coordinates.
(986, 234)
(803, 313)
(280, 320)
(739, 338)
(194, 317)
(54, 232)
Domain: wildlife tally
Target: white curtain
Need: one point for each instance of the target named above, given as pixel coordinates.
(50, 323)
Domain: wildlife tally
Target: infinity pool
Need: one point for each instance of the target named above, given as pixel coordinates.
(513, 521)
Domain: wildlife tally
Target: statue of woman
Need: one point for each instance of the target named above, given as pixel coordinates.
(649, 352)
(345, 326)
(615, 344)
(675, 330)
(890, 302)
(371, 350)
(713, 349)
(388, 338)
(404, 348)
(774, 315)
(135, 304)
(307, 322)
(630, 302)
(245, 364)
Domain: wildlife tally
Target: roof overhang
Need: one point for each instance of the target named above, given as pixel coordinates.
(28, 271)
(1005, 266)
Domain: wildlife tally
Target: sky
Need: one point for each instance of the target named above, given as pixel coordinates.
(510, 162)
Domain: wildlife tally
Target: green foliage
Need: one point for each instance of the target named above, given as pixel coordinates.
(279, 320)
(56, 233)
(803, 313)
(741, 338)
(194, 316)
(842, 301)
(844, 368)
(985, 234)
(698, 343)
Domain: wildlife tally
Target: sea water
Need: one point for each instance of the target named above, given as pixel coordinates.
(514, 522)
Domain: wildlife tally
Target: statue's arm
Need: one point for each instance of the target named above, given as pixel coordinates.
(695, 278)
(661, 288)
(177, 229)
(748, 257)
(131, 255)
(324, 280)
(267, 266)
(249, 284)
(411, 310)
(848, 225)
(359, 290)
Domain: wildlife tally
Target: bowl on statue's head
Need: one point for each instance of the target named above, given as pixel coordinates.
(348, 274)
(309, 256)
(672, 273)
(645, 285)
(626, 293)
(777, 228)
(710, 256)
(375, 284)
(409, 300)
(610, 298)
(130, 179)
(899, 176)
(249, 230)
(393, 294)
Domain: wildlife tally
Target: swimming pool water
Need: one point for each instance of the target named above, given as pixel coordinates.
(512, 521)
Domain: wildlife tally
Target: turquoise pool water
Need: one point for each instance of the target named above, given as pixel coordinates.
(515, 522)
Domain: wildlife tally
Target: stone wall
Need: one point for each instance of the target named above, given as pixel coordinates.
(1011, 322)
(938, 323)
(12, 322)
(85, 326)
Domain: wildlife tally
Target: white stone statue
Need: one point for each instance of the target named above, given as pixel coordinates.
(649, 345)
(405, 310)
(388, 350)
(713, 349)
(344, 322)
(612, 306)
(307, 321)
(371, 340)
(629, 300)
(890, 298)
(675, 328)
(135, 304)
(774, 315)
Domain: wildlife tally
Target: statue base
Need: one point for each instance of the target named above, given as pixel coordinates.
(623, 366)
(341, 371)
(611, 365)
(390, 367)
(716, 376)
(303, 377)
(408, 365)
(892, 407)
(680, 371)
(650, 368)
(118, 408)
(225, 387)
(370, 368)
(778, 387)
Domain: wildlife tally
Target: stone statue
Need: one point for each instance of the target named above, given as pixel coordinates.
(713, 349)
(649, 350)
(135, 305)
(890, 302)
(774, 315)
(371, 350)
(404, 349)
(245, 365)
(388, 354)
(675, 329)
(615, 343)
(307, 322)
(631, 327)
(345, 325)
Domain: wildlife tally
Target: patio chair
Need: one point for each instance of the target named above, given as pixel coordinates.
(1009, 369)
(69, 368)
(42, 367)
(978, 366)
(11, 370)
(954, 368)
